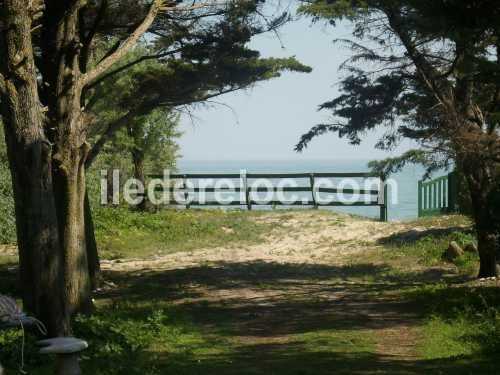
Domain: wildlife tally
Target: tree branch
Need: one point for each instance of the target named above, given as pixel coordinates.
(131, 64)
(429, 74)
(88, 39)
(175, 103)
(131, 40)
(125, 47)
(121, 122)
(108, 134)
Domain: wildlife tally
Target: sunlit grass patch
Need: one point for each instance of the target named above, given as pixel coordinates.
(428, 251)
(337, 341)
(460, 321)
(125, 233)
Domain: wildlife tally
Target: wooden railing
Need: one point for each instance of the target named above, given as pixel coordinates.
(378, 197)
(437, 196)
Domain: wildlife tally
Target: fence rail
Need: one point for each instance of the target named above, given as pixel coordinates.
(437, 196)
(377, 197)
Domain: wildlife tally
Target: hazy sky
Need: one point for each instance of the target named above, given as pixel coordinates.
(267, 121)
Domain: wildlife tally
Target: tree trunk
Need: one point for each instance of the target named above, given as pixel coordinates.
(40, 254)
(46, 131)
(69, 178)
(136, 132)
(30, 159)
(487, 239)
(487, 260)
(110, 187)
(68, 124)
(91, 244)
(138, 160)
(483, 213)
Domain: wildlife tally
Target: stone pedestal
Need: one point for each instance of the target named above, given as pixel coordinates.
(67, 351)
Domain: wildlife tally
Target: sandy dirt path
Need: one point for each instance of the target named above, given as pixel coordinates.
(302, 238)
(302, 274)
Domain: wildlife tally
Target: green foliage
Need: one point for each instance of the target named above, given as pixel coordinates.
(131, 338)
(429, 250)
(10, 340)
(11, 346)
(123, 338)
(461, 321)
(468, 334)
(195, 60)
(155, 137)
(393, 165)
(334, 10)
(7, 218)
(151, 133)
(123, 232)
(423, 72)
(407, 57)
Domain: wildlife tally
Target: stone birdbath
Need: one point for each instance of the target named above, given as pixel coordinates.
(66, 350)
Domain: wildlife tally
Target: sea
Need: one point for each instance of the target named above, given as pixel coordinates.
(402, 195)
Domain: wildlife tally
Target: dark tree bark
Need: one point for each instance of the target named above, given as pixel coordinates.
(487, 238)
(63, 97)
(486, 225)
(109, 187)
(91, 244)
(139, 174)
(138, 159)
(45, 129)
(30, 158)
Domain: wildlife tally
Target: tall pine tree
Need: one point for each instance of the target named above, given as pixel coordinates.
(427, 70)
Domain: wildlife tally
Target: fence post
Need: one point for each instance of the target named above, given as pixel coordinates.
(420, 201)
(434, 195)
(440, 194)
(446, 203)
(383, 195)
(186, 193)
(247, 193)
(311, 181)
(425, 191)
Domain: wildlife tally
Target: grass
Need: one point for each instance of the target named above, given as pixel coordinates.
(156, 337)
(273, 318)
(460, 318)
(461, 321)
(7, 219)
(428, 251)
(8, 260)
(444, 221)
(124, 233)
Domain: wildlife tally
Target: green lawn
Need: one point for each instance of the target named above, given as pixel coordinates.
(124, 233)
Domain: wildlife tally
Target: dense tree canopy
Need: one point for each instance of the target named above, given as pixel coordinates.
(428, 71)
(55, 57)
